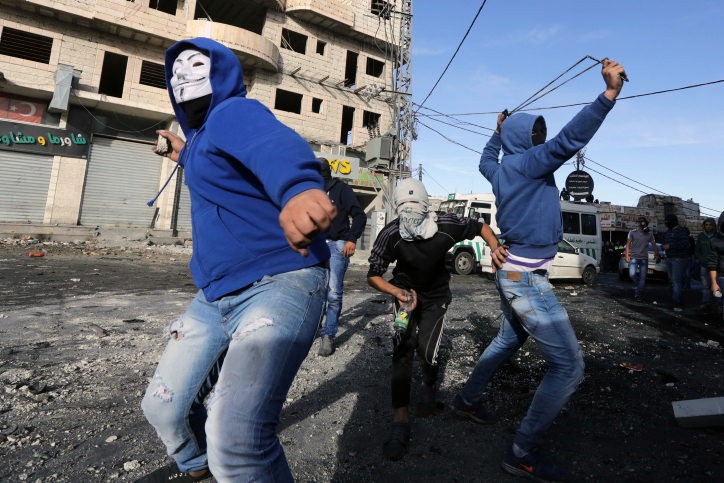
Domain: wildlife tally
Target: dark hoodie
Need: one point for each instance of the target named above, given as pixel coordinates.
(529, 212)
(242, 166)
(715, 261)
(702, 243)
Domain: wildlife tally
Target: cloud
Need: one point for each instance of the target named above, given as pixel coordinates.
(595, 35)
(533, 36)
(427, 51)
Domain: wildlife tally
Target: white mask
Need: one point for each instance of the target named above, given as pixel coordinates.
(190, 80)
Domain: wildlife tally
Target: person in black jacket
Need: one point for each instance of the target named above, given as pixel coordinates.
(418, 241)
(716, 259)
(342, 242)
(676, 244)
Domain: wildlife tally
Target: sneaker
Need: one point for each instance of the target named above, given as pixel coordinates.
(326, 348)
(172, 473)
(534, 466)
(395, 447)
(703, 309)
(678, 307)
(477, 413)
(429, 404)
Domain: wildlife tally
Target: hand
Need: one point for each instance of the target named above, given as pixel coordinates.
(499, 256)
(628, 258)
(501, 118)
(657, 258)
(611, 73)
(304, 217)
(348, 249)
(715, 288)
(176, 144)
(402, 295)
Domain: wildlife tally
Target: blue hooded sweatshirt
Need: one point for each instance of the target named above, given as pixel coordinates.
(526, 196)
(242, 166)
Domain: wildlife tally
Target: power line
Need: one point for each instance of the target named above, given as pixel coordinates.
(453, 57)
(441, 186)
(584, 103)
(114, 112)
(458, 127)
(451, 118)
(448, 139)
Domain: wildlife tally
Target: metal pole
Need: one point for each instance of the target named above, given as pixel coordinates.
(419, 172)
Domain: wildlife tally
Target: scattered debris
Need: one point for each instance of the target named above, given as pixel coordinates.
(75, 280)
(36, 254)
(131, 465)
(99, 331)
(111, 439)
(134, 321)
(699, 413)
(631, 367)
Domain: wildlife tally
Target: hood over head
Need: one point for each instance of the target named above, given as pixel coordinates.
(326, 172)
(721, 223)
(671, 221)
(516, 132)
(226, 76)
(709, 220)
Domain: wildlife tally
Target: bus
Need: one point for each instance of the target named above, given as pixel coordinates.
(581, 229)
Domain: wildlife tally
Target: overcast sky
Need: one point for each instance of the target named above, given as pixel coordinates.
(672, 142)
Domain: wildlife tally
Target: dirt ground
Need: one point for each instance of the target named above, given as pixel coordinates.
(80, 335)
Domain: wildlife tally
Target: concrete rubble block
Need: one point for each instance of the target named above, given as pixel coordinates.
(698, 413)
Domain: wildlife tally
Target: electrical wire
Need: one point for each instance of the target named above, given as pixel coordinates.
(453, 119)
(458, 127)
(448, 139)
(582, 103)
(116, 129)
(453, 57)
(441, 186)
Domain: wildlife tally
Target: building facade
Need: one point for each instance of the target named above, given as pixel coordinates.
(92, 70)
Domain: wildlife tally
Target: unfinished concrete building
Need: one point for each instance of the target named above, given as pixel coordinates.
(686, 211)
(93, 70)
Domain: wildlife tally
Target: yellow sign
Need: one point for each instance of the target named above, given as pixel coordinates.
(344, 168)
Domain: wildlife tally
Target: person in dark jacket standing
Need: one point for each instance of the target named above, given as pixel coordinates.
(530, 220)
(260, 262)
(676, 244)
(702, 254)
(342, 242)
(418, 241)
(715, 260)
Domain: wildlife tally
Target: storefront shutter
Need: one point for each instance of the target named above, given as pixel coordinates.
(24, 182)
(121, 177)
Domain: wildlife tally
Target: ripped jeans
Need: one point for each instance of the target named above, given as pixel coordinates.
(531, 309)
(248, 345)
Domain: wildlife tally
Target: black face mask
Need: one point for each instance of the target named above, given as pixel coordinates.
(196, 110)
(540, 132)
(329, 181)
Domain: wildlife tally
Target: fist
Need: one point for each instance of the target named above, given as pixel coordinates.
(304, 217)
(611, 73)
(175, 145)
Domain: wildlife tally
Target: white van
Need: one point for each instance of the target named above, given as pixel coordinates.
(577, 253)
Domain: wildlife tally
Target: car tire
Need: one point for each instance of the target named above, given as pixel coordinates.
(463, 263)
(589, 275)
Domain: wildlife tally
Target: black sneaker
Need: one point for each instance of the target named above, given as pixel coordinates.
(534, 466)
(172, 473)
(703, 309)
(395, 447)
(477, 413)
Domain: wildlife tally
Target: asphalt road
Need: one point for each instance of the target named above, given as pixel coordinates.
(89, 326)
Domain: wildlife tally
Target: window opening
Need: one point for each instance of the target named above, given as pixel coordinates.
(381, 8)
(321, 46)
(153, 75)
(24, 45)
(113, 74)
(347, 124)
(288, 101)
(370, 119)
(588, 224)
(375, 67)
(571, 223)
(350, 70)
(244, 15)
(294, 41)
(165, 6)
(316, 105)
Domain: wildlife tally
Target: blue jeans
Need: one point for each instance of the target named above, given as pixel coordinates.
(337, 268)
(706, 281)
(249, 346)
(637, 271)
(677, 272)
(531, 309)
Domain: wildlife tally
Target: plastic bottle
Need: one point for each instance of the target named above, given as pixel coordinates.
(403, 314)
(718, 294)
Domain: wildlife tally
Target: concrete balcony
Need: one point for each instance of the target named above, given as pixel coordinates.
(252, 49)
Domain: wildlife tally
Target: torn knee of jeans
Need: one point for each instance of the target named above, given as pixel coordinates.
(257, 324)
(162, 391)
(173, 331)
(219, 392)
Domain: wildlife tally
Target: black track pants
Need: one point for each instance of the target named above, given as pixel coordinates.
(423, 335)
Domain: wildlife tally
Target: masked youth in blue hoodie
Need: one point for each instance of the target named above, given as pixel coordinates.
(260, 261)
(530, 221)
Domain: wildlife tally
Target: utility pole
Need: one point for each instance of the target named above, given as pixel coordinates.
(402, 99)
(419, 172)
